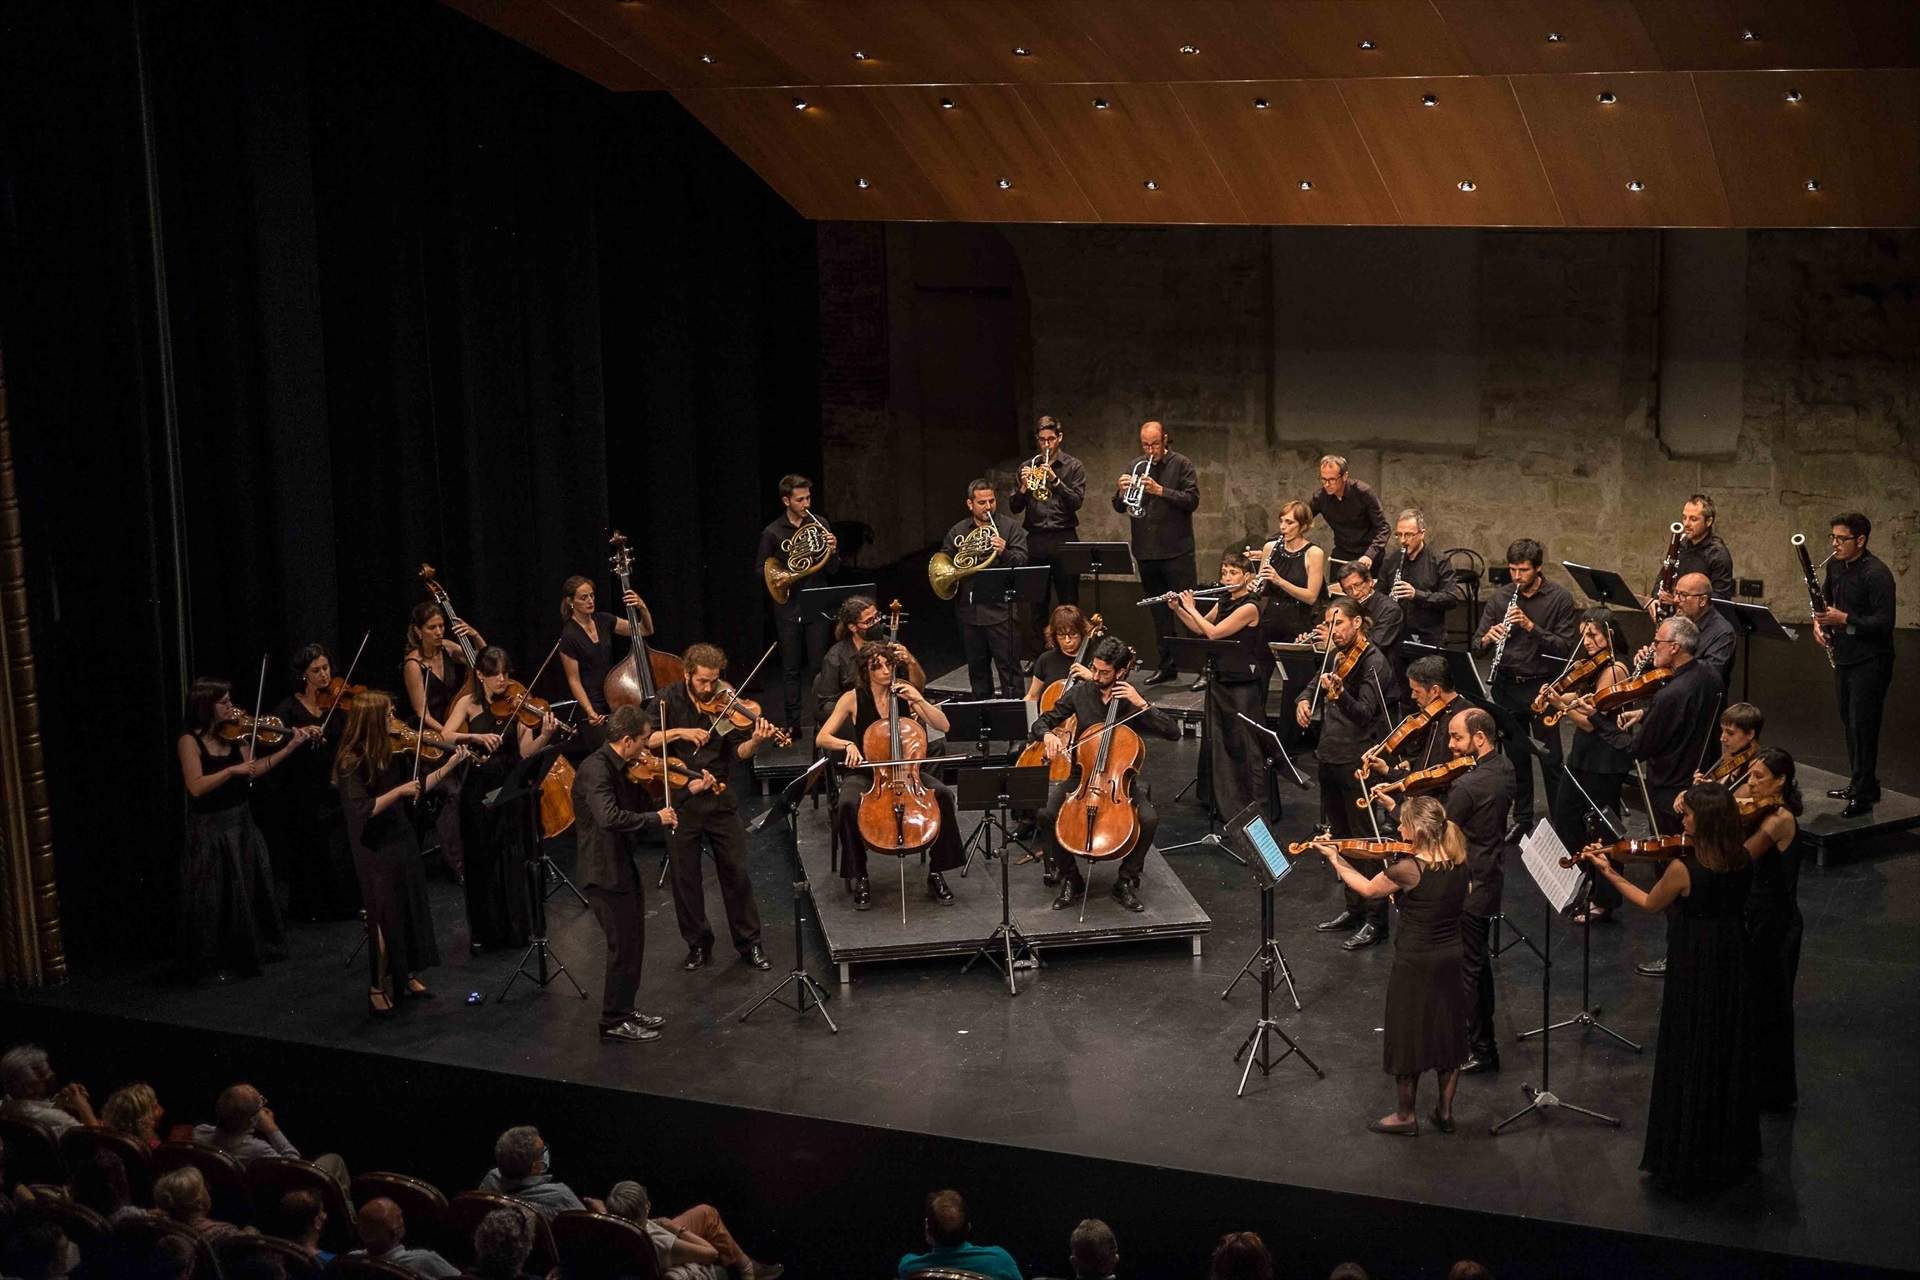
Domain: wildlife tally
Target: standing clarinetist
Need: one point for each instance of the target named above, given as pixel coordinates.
(1534, 626)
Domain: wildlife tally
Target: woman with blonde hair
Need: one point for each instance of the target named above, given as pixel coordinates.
(1426, 1019)
(135, 1111)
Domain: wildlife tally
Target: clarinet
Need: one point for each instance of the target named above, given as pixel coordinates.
(1500, 645)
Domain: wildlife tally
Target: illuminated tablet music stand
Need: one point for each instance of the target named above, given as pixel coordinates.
(1248, 829)
(1097, 558)
(985, 788)
(524, 783)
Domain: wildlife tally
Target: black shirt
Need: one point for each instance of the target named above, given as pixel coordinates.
(1289, 616)
(770, 539)
(1357, 718)
(1711, 557)
(1538, 654)
(1359, 526)
(1084, 702)
(1863, 590)
(595, 658)
(1061, 511)
(838, 673)
(1670, 739)
(987, 610)
(1050, 666)
(1388, 621)
(717, 756)
(1717, 646)
(1434, 592)
(1477, 803)
(1166, 529)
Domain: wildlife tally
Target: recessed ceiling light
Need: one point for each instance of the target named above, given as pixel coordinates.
(1747, 34)
(1813, 184)
(1634, 184)
(707, 58)
(799, 104)
(1794, 95)
(1605, 98)
(1021, 51)
(946, 104)
(1428, 100)
(1306, 184)
(861, 183)
(1101, 104)
(1005, 184)
(1151, 185)
(1553, 37)
(1260, 104)
(1467, 184)
(1366, 44)
(859, 55)
(1189, 49)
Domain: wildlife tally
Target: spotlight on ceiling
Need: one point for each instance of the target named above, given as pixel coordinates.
(1189, 49)
(1467, 184)
(1634, 184)
(1605, 98)
(946, 104)
(707, 58)
(1005, 184)
(1428, 100)
(1366, 44)
(1306, 184)
(1021, 51)
(1260, 104)
(1101, 104)
(1794, 95)
(859, 55)
(1151, 185)
(1747, 35)
(1813, 184)
(1553, 37)
(861, 183)
(799, 104)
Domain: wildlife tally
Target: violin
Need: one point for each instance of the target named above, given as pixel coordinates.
(1754, 811)
(338, 693)
(1356, 847)
(1098, 818)
(648, 773)
(1349, 658)
(730, 711)
(1727, 766)
(1631, 689)
(1431, 779)
(430, 745)
(1051, 695)
(1658, 849)
(440, 597)
(1408, 726)
(636, 679)
(899, 814)
(515, 703)
(1567, 681)
(272, 730)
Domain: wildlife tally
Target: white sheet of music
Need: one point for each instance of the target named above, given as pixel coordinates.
(1541, 851)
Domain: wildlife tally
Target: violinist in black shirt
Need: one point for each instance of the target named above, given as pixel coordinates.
(1857, 626)
(1387, 628)
(1667, 736)
(1477, 803)
(1535, 626)
(1056, 520)
(796, 529)
(1352, 510)
(1163, 531)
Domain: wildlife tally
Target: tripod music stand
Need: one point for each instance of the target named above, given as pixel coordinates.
(1589, 1015)
(1026, 584)
(994, 720)
(1750, 620)
(1097, 558)
(1211, 659)
(1510, 727)
(1602, 586)
(822, 604)
(986, 787)
(784, 810)
(1248, 829)
(1541, 853)
(524, 783)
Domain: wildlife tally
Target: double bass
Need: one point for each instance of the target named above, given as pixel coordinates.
(467, 651)
(636, 680)
(1099, 818)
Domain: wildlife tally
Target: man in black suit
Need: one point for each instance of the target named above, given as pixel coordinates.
(611, 815)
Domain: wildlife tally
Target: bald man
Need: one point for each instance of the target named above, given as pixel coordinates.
(1716, 650)
(1162, 534)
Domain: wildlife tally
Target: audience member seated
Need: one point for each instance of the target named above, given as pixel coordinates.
(172, 1258)
(502, 1243)
(382, 1228)
(134, 1110)
(28, 1079)
(1468, 1269)
(1348, 1271)
(1240, 1255)
(182, 1196)
(695, 1245)
(245, 1129)
(254, 1267)
(300, 1219)
(39, 1250)
(1095, 1253)
(100, 1183)
(523, 1170)
(947, 1229)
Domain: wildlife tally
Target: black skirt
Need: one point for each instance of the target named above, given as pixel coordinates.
(228, 918)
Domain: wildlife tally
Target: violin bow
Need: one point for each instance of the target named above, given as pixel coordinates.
(345, 681)
(1372, 816)
(259, 700)
(1313, 703)
(419, 742)
(1713, 727)
(526, 690)
(666, 779)
(733, 694)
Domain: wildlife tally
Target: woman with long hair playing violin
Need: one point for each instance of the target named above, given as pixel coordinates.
(1703, 1127)
(433, 673)
(1592, 763)
(376, 784)
(310, 836)
(1426, 1018)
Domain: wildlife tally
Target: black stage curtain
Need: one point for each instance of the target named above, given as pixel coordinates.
(427, 298)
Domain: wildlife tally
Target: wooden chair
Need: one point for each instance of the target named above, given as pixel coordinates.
(421, 1203)
(464, 1215)
(226, 1180)
(33, 1151)
(82, 1142)
(298, 1264)
(271, 1177)
(599, 1246)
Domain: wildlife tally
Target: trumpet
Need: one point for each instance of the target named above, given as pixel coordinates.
(1135, 497)
(806, 554)
(973, 553)
(1038, 475)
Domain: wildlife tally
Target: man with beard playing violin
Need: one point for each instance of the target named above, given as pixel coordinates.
(1086, 702)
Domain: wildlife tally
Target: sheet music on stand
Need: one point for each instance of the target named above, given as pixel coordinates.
(1541, 850)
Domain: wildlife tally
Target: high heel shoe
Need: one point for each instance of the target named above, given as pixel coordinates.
(418, 990)
(375, 1007)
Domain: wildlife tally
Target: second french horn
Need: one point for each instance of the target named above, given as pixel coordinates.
(806, 554)
(974, 553)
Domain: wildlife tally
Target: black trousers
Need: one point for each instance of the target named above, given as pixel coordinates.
(717, 820)
(1157, 577)
(1338, 790)
(1861, 689)
(947, 852)
(992, 650)
(1043, 546)
(1517, 697)
(802, 641)
(622, 912)
(1058, 858)
(1570, 814)
(1476, 972)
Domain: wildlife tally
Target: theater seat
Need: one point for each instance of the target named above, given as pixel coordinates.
(599, 1246)
(421, 1203)
(367, 1269)
(87, 1229)
(134, 1240)
(271, 1177)
(467, 1210)
(294, 1260)
(80, 1143)
(33, 1152)
(226, 1180)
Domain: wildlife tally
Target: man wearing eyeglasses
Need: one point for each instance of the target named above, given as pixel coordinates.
(1857, 625)
(1717, 649)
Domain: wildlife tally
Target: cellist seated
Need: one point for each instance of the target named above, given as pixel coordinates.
(1087, 703)
(856, 710)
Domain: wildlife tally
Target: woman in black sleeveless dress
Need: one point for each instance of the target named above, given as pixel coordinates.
(1601, 770)
(432, 673)
(229, 923)
(1426, 1018)
(310, 836)
(1774, 926)
(1294, 572)
(1702, 1126)
(1233, 763)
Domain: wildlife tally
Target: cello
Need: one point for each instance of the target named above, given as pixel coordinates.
(467, 651)
(899, 814)
(636, 680)
(1098, 819)
(1060, 768)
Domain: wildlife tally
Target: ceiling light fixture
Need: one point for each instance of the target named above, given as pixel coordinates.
(1151, 185)
(1260, 104)
(1189, 49)
(1747, 34)
(1467, 184)
(799, 104)
(1794, 95)
(1553, 37)
(1813, 184)
(707, 58)
(1428, 100)
(1605, 98)
(1101, 104)
(859, 55)
(946, 104)
(1021, 51)
(1306, 184)
(861, 183)
(1005, 184)
(1366, 44)
(1634, 184)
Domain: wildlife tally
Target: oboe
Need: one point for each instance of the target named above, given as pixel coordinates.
(1500, 645)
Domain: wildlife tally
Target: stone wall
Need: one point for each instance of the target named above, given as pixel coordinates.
(1510, 383)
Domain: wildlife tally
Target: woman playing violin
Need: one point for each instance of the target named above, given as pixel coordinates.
(310, 836)
(1774, 927)
(433, 672)
(586, 642)
(495, 839)
(376, 784)
(1601, 769)
(1233, 772)
(883, 676)
(1702, 1125)
(1426, 1017)
(229, 923)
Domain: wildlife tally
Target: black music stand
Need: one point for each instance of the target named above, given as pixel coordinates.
(822, 604)
(1510, 727)
(1248, 829)
(1602, 586)
(1467, 680)
(986, 722)
(783, 810)
(1210, 659)
(1097, 558)
(1596, 822)
(524, 783)
(1750, 620)
(982, 789)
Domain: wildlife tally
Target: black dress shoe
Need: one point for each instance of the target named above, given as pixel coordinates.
(1652, 968)
(1124, 895)
(697, 958)
(1049, 877)
(1069, 894)
(1443, 1123)
(1336, 924)
(1857, 809)
(862, 895)
(756, 955)
(1160, 677)
(1367, 935)
(627, 1033)
(937, 887)
(1841, 793)
(650, 1022)
(1477, 1064)
(1198, 685)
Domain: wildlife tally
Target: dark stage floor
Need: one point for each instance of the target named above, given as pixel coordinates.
(1125, 1053)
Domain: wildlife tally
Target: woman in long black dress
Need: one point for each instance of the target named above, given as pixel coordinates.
(1426, 1019)
(1702, 1126)
(376, 782)
(1233, 765)
(229, 922)
(1774, 925)
(586, 642)
(499, 905)
(1294, 572)
(311, 835)
(1598, 769)
(433, 673)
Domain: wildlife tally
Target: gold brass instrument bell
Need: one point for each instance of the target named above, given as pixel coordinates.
(806, 554)
(975, 552)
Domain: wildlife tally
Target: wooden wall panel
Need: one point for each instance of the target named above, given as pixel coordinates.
(1652, 133)
(1510, 37)
(1474, 132)
(1303, 135)
(1141, 135)
(986, 137)
(1323, 38)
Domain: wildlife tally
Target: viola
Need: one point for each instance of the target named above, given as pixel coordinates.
(272, 730)
(1408, 726)
(429, 745)
(1631, 690)
(899, 814)
(338, 693)
(636, 680)
(1356, 847)
(1588, 668)
(440, 597)
(648, 773)
(730, 711)
(514, 703)
(1658, 849)
(1420, 780)
(1098, 818)
(1051, 695)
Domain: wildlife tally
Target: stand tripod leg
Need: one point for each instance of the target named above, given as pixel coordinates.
(553, 869)
(798, 977)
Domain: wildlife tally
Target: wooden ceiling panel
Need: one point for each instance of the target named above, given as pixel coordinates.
(1514, 37)
(1303, 134)
(987, 137)
(1652, 133)
(1855, 133)
(686, 44)
(815, 158)
(1325, 37)
(1473, 133)
(1712, 35)
(1141, 135)
(555, 35)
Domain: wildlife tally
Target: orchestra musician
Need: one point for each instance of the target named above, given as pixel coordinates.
(1233, 772)
(1386, 629)
(883, 670)
(1857, 626)
(1477, 803)
(1054, 521)
(432, 672)
(1693, 599)
(1701, 551)
(857, 624)
(707, 742)
(1108, 664)
(1162, 534)
(1593, 766)
(1066, 631)
(309, 833)
(586, 642)
(1778, 848)
(1293, 576)
(1535, 624)
(1354, 717)
(801, 639)
(1418, 581)
(986, 621)
(1423, 747)
(1352, 511)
